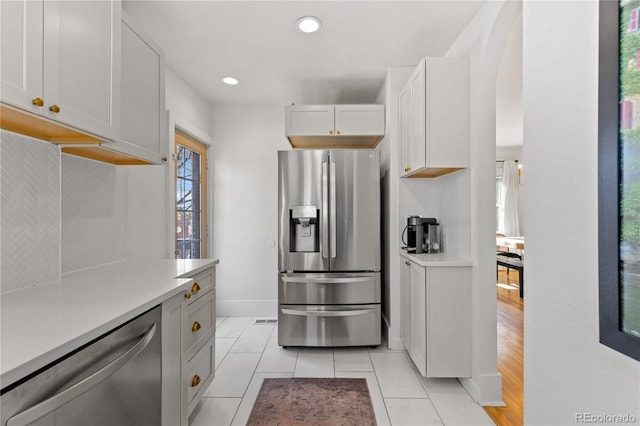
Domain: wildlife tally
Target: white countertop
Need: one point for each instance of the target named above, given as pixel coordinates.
(40, 324)
(436, 259)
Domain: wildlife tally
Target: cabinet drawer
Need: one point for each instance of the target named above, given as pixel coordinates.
(329, 325)
(202, 283)
(200, 323)
(201, 371)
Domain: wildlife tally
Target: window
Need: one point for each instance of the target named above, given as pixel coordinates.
(633, 20)
(627, 114)
(499, 198)
(191, 178)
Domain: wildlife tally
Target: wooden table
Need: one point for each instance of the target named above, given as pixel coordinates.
(510, 262)
(510, 242)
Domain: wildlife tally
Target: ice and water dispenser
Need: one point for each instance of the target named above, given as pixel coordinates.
(303, 229)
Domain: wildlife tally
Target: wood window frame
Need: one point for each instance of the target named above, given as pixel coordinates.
(185, 139)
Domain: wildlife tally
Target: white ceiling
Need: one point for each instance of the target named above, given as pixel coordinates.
(256, 42)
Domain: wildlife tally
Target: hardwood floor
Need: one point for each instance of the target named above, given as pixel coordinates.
(510, 350)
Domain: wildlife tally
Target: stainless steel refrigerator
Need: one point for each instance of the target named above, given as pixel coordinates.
(329, 286)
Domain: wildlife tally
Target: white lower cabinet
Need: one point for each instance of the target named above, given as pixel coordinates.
(188, 348)
(436, 318)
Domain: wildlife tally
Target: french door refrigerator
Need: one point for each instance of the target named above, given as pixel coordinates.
(329, 287)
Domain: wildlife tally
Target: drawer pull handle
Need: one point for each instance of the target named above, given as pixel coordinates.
(195, 381)
(195, 288)
(37, 102)
(54, 108)
(337, 132)
(196, 326)
(187, 295)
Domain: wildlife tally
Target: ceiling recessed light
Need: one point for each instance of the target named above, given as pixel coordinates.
(230, 80)
(308, 24)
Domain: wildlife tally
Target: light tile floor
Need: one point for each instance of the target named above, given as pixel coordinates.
(246, 353)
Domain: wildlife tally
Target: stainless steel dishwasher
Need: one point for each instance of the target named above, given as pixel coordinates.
(113, 380)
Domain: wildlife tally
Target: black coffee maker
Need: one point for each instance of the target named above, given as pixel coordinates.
(423, 235)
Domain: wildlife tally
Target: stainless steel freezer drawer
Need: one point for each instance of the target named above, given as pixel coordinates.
(336, 325)
(328, 289)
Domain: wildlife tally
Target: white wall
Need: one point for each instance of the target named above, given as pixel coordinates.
(483, 42)
(245, 211)
(150, 205)
(567, 370)
(191, 109)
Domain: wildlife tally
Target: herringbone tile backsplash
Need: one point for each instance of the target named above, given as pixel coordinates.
(29, 212)
(94, 213)
(58, 213)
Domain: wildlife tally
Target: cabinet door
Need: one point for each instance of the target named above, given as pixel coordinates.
(418, 158)
(406, 305)
(82, 64)
(447, 100)
(21, 52)
(174, 395)
(143, 92)
(360, 120)
(404, 101)
(448, 302)
(418, 350)
(309, 120)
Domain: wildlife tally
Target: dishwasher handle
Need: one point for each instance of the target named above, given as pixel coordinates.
(58, 400)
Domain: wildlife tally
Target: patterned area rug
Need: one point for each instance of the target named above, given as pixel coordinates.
(313, 401)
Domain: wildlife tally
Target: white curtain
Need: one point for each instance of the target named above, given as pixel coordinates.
(510, 184)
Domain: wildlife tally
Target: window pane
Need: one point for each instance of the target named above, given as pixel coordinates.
(189, 199)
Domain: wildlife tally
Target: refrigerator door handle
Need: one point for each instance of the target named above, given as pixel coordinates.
(332, 210)
(326, 280)
(325, 211)
(320, 313)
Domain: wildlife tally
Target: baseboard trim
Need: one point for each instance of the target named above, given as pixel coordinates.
(247, 308)
(486, 390)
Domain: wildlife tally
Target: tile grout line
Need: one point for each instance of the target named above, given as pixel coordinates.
(252, 375)
(424, 387)
(375, 373)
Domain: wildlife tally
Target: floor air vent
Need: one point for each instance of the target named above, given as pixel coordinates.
(265, 321)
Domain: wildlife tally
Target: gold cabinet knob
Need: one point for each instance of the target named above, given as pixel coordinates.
(196, 326)
(195, 288)
(195, 381)
(54, 108)
(406, 169)
(187, 295)
(330, 132)
(337, 132)
(37, 102)
(164, 159)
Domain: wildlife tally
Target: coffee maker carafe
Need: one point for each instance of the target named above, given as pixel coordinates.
(423, 235)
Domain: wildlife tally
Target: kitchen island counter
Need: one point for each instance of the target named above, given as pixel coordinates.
(42, 323)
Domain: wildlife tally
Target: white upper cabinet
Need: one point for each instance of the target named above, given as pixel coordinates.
(61, 60)
(21, 52)
(143, 115)
(434, 118)
(334, 126)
